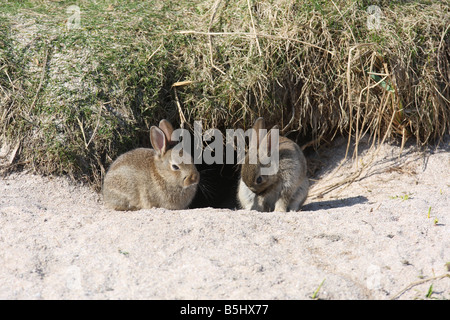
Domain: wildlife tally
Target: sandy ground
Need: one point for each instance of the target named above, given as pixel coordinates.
(368, 240)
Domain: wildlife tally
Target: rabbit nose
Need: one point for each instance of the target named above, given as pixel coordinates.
(191, 179)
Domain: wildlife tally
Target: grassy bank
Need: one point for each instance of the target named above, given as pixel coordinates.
(72, 99)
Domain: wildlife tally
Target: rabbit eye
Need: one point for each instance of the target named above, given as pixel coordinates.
(175, 167)
(259, 180)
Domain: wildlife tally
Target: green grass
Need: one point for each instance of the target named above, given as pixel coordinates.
(429, 292)
(315, 295)
(95, 81)
(403, 197)
(76, 99)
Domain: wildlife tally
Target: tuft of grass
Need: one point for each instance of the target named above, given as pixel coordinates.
(77, 98)
(402, 197)
(429, 292)
(315, 294)
(435, 220)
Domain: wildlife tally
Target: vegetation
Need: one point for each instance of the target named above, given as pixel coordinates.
(73, 98)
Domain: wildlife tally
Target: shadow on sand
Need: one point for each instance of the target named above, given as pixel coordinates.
(331, 204)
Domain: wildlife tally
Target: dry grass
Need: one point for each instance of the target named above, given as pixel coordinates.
(312, 67)
(321, 72)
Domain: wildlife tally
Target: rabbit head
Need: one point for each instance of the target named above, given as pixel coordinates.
(254, 169)
(174, 173)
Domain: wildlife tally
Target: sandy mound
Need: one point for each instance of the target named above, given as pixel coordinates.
(367, 240)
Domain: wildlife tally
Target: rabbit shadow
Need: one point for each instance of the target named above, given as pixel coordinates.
(333, 204)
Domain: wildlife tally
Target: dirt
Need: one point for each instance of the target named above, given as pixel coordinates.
(384, 235)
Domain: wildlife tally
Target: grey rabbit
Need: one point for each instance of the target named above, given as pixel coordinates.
(283, 191)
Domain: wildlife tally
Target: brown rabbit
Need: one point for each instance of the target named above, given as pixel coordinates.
(145, 178)
(285, 190)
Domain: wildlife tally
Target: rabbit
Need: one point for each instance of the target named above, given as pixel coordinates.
(144, 178)
(285, 190)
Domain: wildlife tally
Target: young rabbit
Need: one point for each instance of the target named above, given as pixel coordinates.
(145, 178)
(285, 190)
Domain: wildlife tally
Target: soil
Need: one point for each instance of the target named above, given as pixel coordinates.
(383, 234)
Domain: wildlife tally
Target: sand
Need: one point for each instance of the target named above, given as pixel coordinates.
(386, 235)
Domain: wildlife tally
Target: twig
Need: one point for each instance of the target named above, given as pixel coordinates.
(413, 284)
(96, 126)
(182, 83)
(14, 153)
(42, 78)
(349, 97)
(253, 26)
(292, 110)
(180, 111)
(345, 21)
(10, 81)
(216, 6)
(439, 48)
(154, 52)
(4, 92)
(349, 91)
(359, 135)
(80, 124)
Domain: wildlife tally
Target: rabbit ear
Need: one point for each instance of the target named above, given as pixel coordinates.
(158, 139)
(167, 128)
(257, 126)
(266, 141)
